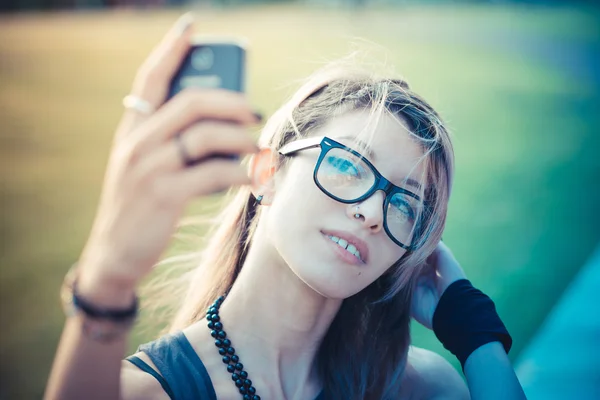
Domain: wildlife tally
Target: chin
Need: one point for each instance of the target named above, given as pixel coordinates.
(336, 287)
(314, 263)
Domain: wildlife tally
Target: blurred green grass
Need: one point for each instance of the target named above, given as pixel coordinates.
(523, 213)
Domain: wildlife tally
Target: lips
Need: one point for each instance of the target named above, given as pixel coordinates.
(351, 239)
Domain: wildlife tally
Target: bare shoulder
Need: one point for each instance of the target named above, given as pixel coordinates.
(435, 378)
(137, 384)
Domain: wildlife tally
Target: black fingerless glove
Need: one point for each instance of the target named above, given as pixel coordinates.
(465, 319)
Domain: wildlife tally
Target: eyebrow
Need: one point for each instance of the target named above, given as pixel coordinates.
(413, 183)
(363, 146)
(371, 155)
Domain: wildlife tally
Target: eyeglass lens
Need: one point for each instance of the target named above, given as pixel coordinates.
(346, 176)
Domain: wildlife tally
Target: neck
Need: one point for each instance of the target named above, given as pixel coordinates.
(276, 322)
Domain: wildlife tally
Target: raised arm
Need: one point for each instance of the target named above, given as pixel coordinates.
(146, 188)
(490, 374)
(465, 321)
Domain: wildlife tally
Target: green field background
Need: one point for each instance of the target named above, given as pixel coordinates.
(513, 83)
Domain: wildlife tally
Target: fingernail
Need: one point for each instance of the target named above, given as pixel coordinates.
(183, 23)
(258, 116)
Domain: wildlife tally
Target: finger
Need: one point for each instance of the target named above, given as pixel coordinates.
(200, 141)
(445, 259)
(154, 76)
(190, 106)
(208, 177)
(449, 269)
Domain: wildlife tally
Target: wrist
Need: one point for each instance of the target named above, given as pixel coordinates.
(105, 290)
(105, 279)
(99, 281)
(106, 312)
(466, 319)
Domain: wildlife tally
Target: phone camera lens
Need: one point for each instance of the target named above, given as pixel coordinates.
(203, 58)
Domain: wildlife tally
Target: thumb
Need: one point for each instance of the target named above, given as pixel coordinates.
(153, 78)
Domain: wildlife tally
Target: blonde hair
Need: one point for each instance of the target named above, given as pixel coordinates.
(364, 353)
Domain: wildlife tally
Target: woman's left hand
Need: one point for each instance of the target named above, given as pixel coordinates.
(441, 271)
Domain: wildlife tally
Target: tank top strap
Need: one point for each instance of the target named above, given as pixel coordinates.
(181, 367)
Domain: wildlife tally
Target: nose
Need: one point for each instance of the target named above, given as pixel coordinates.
(369, 212)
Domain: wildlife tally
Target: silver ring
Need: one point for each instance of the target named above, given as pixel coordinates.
(138, 104)
(186, 160)
(357, 215)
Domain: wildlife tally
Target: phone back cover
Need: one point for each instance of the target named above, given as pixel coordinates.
(211, 66)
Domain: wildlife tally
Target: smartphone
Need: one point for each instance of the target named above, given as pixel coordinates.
(212, 62)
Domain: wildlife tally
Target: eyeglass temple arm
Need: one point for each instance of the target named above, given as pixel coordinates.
(301, 144)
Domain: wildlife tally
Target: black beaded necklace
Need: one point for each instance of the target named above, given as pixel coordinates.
(232, 360)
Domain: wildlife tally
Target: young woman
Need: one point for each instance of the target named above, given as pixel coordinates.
(311, 276)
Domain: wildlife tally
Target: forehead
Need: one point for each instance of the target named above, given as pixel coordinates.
(392, 149)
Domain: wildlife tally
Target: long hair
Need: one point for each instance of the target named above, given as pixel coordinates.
(363, 354)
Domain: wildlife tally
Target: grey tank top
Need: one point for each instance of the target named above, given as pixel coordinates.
(182, 373)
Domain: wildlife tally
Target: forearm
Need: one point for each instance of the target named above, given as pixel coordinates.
(85, 367)
(490, 375)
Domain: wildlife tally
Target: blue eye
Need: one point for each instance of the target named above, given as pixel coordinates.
(403, 209)
(345, 166)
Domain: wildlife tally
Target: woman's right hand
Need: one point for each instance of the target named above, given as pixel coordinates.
(146, 185)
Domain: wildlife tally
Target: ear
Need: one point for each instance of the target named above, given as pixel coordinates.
(261, 172)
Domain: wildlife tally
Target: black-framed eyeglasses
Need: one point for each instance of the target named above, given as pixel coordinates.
(347, 176)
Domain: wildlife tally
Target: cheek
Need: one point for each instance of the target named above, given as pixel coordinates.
(387, 256)
(294, 205)
(383, 255)
(392, 253)
(297, 198)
